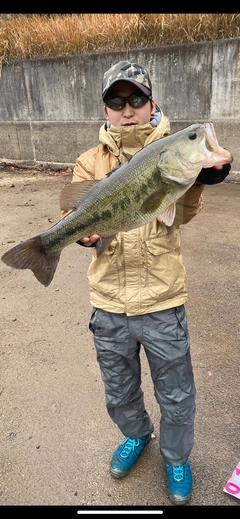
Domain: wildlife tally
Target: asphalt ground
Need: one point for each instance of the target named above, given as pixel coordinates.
(56, 437)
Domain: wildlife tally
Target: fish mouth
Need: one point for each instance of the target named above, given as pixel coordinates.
(210, 154)
(209, 146)
(215, 154)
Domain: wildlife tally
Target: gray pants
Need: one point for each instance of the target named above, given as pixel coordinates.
(164, 336)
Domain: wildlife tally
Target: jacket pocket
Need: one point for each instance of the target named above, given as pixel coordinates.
(164, 272)
(182, 321)
(103, 273)
(162, 244)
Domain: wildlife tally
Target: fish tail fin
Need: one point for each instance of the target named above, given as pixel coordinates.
(30, 254)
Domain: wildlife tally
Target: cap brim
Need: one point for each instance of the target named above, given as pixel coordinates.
(143, 89)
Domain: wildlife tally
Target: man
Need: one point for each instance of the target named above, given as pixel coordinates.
(138, 291)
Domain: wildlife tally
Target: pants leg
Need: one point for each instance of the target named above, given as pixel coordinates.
(118, 357)
(166, 343)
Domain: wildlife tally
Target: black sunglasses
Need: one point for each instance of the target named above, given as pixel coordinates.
(118, 103)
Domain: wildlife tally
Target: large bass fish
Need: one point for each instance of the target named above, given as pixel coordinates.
(146, 187)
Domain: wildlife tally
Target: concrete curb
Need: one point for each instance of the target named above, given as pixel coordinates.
(234, 176)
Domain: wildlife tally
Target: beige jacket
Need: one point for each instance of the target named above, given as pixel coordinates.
(142, 270)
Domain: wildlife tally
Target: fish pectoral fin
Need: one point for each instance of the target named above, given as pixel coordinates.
(168, 215)
(155, 201)
(71, 193)
(102, 245)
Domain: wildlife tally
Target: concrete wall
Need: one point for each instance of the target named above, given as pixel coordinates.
(51, 109)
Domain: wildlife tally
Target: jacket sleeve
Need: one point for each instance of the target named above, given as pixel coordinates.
(189, 205)
(85, 166)
(83, 170)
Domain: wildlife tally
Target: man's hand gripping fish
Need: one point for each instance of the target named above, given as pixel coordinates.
(146, 187)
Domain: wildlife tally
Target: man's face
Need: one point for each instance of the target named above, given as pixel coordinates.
(129, 115)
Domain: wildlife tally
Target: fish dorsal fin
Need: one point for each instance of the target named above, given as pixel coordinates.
(72, 192)
(168, 215)
(127, 156)
(112, 171)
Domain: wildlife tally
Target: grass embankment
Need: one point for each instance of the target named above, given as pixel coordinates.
(26, 36)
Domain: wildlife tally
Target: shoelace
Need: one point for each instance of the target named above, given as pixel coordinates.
(129, 445)
(178, 473)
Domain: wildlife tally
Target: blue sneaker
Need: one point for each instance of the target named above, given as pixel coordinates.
(179, 480)
(127, 454)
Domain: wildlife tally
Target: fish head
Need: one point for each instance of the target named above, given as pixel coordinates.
(190, 150)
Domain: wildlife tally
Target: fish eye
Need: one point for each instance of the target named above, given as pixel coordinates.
(192, 135)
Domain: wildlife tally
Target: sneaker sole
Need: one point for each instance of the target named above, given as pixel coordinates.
(178, 500)
(119, 473)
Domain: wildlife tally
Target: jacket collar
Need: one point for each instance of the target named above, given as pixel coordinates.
(120, 140)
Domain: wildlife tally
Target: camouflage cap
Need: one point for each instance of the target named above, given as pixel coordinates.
(126, 71)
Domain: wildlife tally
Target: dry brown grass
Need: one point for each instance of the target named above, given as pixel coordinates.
(36, 36)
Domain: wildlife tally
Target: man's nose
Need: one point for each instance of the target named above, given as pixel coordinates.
(128, 109)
